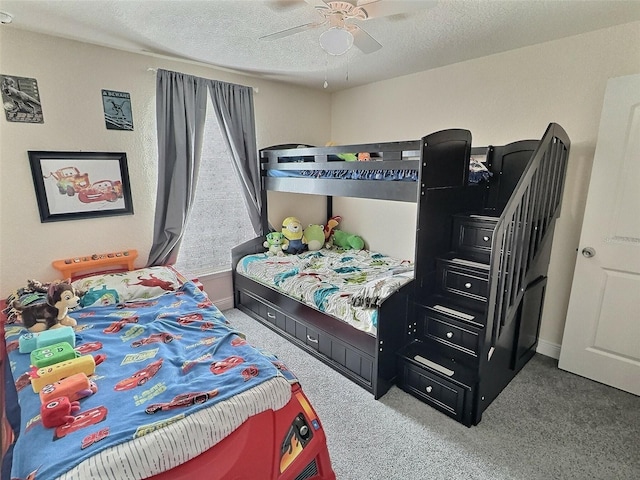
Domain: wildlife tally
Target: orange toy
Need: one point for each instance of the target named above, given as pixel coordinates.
(71, 266)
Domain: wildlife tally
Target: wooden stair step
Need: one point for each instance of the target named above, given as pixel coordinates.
(449, 307)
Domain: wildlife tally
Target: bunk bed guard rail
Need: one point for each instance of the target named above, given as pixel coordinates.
(523, 224)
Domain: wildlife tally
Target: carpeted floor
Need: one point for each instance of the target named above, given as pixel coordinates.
(547, 424)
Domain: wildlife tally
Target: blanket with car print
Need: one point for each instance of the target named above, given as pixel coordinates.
(167, 361)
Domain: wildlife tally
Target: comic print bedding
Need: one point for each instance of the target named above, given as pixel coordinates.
(348, 285)
(176, 379)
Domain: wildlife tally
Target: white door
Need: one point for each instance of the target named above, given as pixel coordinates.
(602, 332)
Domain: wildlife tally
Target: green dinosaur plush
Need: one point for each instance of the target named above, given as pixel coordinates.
(347, 241)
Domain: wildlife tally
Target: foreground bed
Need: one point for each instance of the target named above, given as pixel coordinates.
(180, 394)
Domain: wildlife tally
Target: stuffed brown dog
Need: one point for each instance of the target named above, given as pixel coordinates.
(61, 297)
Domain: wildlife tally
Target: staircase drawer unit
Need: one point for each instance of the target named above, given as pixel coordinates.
(464, 279)
(451, 333)
(473, 235)
(439, 382)
(434, 389)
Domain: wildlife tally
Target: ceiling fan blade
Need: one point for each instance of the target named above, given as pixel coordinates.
(317, 3)
(386, 8)
(291, 31)
(365, 42)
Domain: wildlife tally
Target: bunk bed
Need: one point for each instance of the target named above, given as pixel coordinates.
(156, 384)
(470, 311)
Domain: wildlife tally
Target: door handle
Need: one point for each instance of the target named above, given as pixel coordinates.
(589, 252)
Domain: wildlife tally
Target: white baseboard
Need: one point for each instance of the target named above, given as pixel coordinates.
(224, 303)
(548, 349)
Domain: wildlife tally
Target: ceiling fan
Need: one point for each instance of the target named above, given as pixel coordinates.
(340, 17)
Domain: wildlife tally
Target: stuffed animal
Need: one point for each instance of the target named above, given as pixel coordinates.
(274, 243)
(331, 224)
(40, 377)
(347, 241)
(314, 236)
(61, 297)
(294, 235)
(74, 387)
(58, 411)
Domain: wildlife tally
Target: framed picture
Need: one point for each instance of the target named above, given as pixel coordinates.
(75, 185)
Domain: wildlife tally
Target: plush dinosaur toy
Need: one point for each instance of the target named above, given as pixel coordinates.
(331, 224)
(347, 241)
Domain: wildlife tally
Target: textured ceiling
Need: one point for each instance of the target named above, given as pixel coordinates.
(227, 34)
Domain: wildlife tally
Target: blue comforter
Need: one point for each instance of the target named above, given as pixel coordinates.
(166, 358)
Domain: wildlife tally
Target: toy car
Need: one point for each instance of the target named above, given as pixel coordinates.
(140, 377)
(182, 400)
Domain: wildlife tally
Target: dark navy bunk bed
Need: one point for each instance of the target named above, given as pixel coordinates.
(457, 333)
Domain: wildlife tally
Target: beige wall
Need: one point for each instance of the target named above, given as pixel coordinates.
(70, 78)
(500, 98)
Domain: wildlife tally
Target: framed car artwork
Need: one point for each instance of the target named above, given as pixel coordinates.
(75, 185)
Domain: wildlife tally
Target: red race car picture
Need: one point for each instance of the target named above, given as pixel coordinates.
(88, 347)
(189, 319)
(183, 400)
(162, 337)
(117, 325)
(140, 377)
(82, 420)
(223, 365)
(101, 190)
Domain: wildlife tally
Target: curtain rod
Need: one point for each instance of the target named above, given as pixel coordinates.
(155, 70)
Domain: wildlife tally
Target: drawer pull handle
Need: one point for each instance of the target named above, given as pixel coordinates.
(270, 315)
(449, 334)
(312, 340)
(467, 285)
(429, 388)
(486, 238)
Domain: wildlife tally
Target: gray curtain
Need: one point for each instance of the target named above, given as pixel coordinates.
(233, 105)
(181, 102)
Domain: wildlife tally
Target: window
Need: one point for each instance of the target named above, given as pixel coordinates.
(218, 220)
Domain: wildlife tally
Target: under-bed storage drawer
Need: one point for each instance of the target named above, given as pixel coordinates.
(343, 357)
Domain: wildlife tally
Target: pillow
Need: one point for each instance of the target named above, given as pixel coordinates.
(110, 288)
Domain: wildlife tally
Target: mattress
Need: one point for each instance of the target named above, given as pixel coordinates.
(348, 285)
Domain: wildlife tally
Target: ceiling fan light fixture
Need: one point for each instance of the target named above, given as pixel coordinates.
(336, 41)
